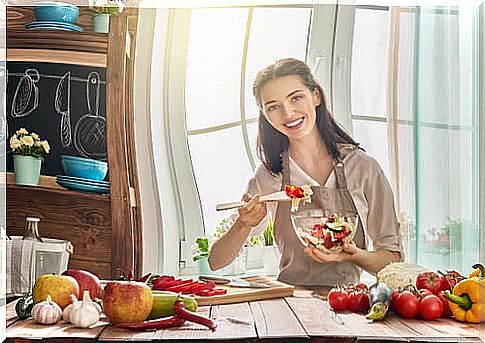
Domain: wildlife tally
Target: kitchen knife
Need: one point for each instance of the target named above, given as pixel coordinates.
(233, 282)
(277, 196)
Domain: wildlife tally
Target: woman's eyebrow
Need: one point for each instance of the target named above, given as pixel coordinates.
(292, 93)
(268, 102)
(288, 96)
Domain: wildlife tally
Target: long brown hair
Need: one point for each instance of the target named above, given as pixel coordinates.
(271, 143)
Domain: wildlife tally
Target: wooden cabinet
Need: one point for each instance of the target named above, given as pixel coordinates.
(104, 229)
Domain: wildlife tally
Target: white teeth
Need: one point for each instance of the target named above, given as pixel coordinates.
(295, 123)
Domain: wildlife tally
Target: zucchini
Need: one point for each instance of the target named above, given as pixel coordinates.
(163, 302)
(24, 306)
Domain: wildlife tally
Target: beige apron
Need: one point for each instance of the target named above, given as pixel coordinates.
(296, 267)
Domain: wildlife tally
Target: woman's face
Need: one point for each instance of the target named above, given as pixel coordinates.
(289, 106)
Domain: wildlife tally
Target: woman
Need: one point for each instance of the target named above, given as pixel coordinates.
(300, 143)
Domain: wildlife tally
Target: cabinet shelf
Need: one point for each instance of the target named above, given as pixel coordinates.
(55, 40)
(48, 184)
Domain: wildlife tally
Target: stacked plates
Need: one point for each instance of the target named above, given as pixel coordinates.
(53, 25)
(84, 174)
(82, 184)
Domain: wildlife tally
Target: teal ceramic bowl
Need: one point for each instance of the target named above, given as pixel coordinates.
(84, 167)
(56, 11)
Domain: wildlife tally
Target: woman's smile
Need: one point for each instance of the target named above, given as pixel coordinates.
(295, 124)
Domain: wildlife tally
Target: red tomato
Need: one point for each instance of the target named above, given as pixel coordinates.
(446, 313)
(424, 292)
(407, 305)
(338, 299)
(394, 294)
(451, 278)
(360, 286)
(429, 280)
(430, 307)
(359, 301)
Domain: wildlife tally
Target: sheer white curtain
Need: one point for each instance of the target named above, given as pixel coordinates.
(437, 133)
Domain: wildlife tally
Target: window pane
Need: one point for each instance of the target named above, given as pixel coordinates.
(407, 195)
(373, 138)
(214, 66)
(221, 171)
(448, 231)
(275, 33)
(445, 75)
(370, 62)
(253, 136)
(405, 80)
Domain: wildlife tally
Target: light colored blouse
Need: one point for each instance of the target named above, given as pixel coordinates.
(368, 186)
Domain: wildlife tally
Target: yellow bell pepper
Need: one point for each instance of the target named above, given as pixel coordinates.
(474, 273)
(467, 302)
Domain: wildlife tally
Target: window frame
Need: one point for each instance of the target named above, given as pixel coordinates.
(189, 211)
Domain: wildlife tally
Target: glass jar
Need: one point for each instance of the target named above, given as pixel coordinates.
(31, 229)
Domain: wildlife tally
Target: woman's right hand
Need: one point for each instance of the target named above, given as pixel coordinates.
(253, 212)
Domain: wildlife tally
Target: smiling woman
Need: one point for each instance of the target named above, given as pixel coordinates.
(365, 58)
(298, 141)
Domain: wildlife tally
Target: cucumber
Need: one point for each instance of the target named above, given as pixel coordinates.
(163, 302)
(336, 228)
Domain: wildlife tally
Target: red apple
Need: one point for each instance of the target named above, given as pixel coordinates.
(87, 281)
(127, 301)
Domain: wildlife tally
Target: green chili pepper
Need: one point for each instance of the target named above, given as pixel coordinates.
(24, 306)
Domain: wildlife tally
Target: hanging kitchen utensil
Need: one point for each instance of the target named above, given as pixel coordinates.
(90, 129)
(62, 104)
(26, 96)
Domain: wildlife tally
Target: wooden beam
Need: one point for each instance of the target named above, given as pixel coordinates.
(121, 210)
(57, 56)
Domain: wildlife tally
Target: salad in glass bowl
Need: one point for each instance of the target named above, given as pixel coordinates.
(323, 230)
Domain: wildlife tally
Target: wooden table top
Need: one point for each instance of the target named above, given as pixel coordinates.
(299, 318)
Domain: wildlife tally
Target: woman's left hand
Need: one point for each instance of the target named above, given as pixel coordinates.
(347, 253)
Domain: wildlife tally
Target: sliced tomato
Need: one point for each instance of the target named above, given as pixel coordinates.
(294, 191)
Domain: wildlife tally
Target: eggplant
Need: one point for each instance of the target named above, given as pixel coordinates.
(379, 296)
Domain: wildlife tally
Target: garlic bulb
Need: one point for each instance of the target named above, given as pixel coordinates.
(67, 311)
(86, 314)
(46, 312)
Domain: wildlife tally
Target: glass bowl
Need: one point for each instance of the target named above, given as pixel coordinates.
(324, 230)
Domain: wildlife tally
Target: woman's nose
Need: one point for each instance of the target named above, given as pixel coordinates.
(287, 110)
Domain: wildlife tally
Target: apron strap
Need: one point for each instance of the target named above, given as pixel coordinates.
(286, 170)
(340, 174)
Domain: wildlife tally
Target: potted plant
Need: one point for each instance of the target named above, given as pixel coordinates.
(28, 151)
(102, 10)
(201, 251)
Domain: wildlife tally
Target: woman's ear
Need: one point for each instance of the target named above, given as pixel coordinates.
(316, 97)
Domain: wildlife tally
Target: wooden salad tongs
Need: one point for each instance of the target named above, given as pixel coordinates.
(276, 196)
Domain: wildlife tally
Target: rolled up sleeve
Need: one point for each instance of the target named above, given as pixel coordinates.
(382, 225)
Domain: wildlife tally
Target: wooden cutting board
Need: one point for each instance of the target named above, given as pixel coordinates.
(277, 289)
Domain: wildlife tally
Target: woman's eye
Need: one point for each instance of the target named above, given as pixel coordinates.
(271, 108)
(296, 98)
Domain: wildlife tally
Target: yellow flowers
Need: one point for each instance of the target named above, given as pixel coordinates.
(111, 7)
(25, 144)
